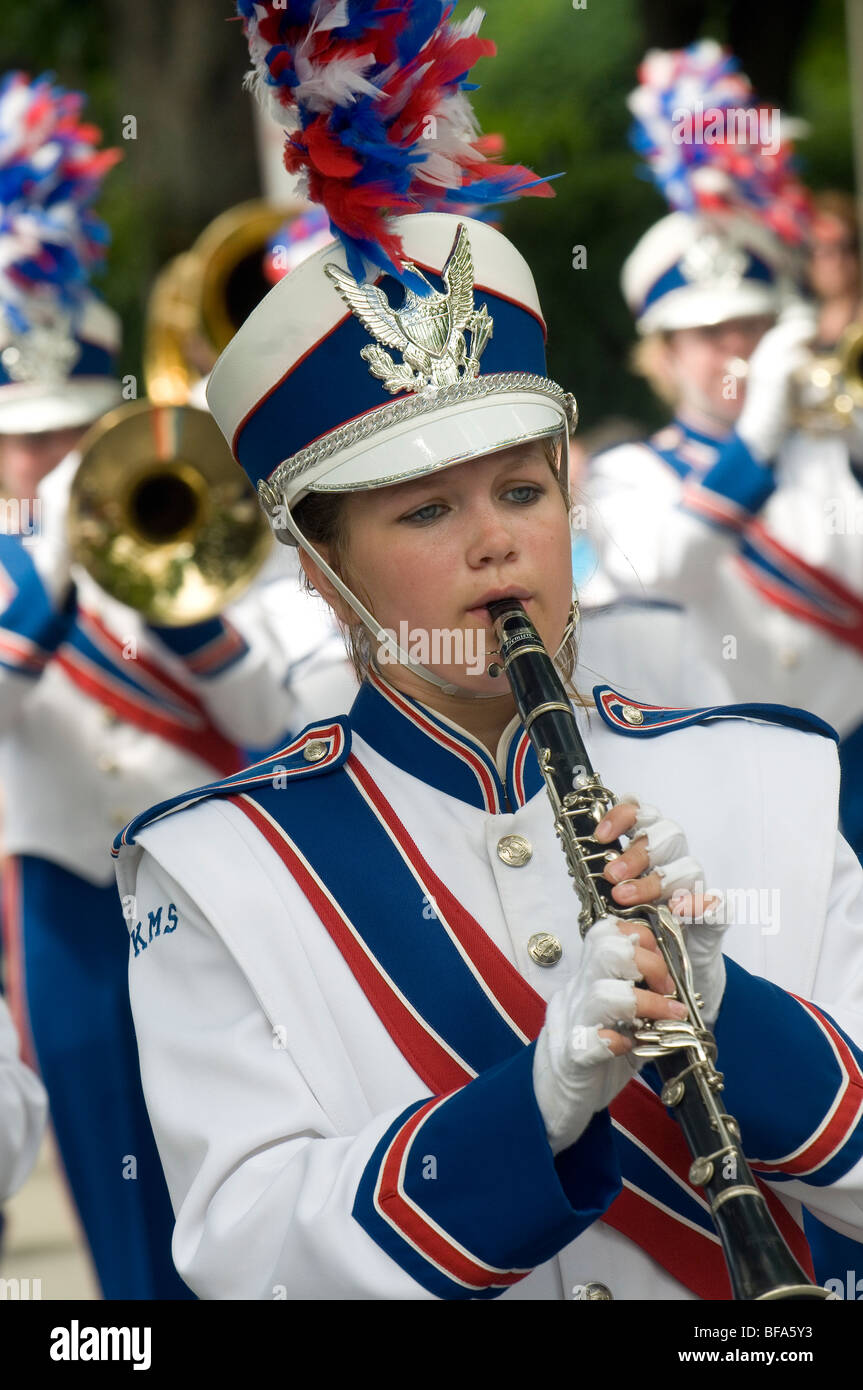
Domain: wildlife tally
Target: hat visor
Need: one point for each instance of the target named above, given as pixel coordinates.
(29, 407)
(695, 306)
(412, 448)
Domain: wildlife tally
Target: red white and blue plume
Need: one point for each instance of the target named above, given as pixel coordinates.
(51, 171)
(710, 145)
(373, 97)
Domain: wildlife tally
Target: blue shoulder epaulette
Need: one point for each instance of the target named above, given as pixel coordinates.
(321, 747)
(638, 720)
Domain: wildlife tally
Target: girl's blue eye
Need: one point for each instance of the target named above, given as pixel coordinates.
(426, 513)
(529, 492)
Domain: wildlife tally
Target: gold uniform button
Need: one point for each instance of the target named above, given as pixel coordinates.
(119, 819)
(109, 716)
(632, 715)
(544, 949)
(514, 850)
(593, 1292)
(105, 763)
(314, 751)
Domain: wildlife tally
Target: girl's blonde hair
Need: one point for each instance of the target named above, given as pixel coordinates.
(648, 359)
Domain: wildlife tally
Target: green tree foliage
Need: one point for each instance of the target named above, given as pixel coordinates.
(556, 91)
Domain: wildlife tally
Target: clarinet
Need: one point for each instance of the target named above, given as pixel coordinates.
(760, 1264)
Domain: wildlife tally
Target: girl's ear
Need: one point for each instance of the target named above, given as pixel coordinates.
(323, 585)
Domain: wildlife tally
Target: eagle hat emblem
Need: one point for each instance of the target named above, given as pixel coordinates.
(429, 331)
(711, 259)
(44, 350)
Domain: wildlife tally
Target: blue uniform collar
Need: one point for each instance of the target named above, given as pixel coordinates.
(441, 754)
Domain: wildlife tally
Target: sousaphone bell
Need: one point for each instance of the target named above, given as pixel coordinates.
(162, 517)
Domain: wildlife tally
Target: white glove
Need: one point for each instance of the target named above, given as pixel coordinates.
(704, 914)
(765, 417)
(51, 551)
(667, 850)
(575, 1073)
(706, 920)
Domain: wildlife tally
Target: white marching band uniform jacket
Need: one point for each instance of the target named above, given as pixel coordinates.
(99, 712)
(769, 561)
(335, 1002)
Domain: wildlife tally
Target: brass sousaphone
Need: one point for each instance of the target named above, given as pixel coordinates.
(201, 297)
(160, 514)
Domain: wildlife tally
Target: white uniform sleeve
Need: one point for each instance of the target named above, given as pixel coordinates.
(22, 1111)
(263, 680)
(838, 991)
(656, 535)
(35, 617)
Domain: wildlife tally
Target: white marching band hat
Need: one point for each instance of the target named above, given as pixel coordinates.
(692, 271)
(58, 340)
(726, 250)
(333, 386)
(415, 341)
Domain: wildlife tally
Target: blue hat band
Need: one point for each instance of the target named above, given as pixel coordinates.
(332, 384)
(674, 279)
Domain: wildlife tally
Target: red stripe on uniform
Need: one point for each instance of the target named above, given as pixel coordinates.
(165, 683)
(413, 1226)
(516, 997)
(845, 1117)
(693, 1260)
(690, 1257)
(204, 742)
(22, 651)
(799, 606)
(639, 1110)
(821, 580)
(608, 698)
(713, 505)
(467, 754)
(437, 1067)
(518, 768)
(216, 653)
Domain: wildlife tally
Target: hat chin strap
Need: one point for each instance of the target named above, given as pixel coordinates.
(385, 638)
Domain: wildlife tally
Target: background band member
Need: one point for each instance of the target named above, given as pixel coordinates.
(731, 510)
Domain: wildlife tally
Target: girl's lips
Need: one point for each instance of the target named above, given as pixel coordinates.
(483, 607)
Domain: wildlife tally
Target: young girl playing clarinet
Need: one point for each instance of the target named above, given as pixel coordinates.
(380, 1060)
